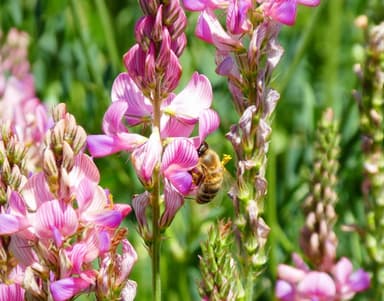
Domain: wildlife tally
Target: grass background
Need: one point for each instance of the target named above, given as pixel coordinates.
(76, 50)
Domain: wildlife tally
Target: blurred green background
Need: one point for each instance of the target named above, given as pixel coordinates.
(76, 50)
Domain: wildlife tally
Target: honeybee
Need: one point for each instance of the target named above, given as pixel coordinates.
(208, 176)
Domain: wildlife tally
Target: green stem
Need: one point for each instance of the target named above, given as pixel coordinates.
(156, 233)
(249, 286)
(156, 238)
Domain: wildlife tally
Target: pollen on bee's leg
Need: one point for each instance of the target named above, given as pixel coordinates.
(226, 159)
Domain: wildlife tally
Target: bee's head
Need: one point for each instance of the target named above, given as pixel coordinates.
(202, 148)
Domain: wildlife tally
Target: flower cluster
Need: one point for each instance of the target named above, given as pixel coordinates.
(330, 280)
(55, 224)
(18, 103)
(371, 107)
(299, 282)
(143, 96)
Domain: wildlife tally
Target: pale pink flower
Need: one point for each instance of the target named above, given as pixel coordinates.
(181, 113)
(298, 283)
(284, 11)
(12, 292)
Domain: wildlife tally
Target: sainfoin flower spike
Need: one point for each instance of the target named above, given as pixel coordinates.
(74, 221)
(143, 96)
(329, 279)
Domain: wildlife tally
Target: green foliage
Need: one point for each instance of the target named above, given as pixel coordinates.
(75, 53)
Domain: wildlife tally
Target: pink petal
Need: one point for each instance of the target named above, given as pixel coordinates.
(16, 203)
(65, 289)
(172, 73)
(171, 126)
(129, 257)
(10, 224)
(179, 155)
(124, 209)
(84, 168)
(173, 201)
(147, 156)
(308, 2)
(237, 16)
(359, 281)
(209, 121)
(107, 218)
(112, 121)
(128, 293)
(181, 180)
(22, 250)
(210, 30)
(289, 273)
(53, 219)
(284, 291)
(284, 12)
(12, 292)
(317, 285)
(36, 191)
(103, 145)
(342, 270)
(195, 5)
(193, 99)
(139, 107)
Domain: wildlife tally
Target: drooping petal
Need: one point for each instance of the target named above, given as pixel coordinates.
(209, 121)
(112, 121)
(65, 289)
(173, 201)
(146, 157)
(129, 291)
(317, 286)
(139, 107)
(128, 259)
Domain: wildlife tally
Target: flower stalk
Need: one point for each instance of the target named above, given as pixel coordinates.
(163, 160)
(247, 52)
(371, 106)
(325, 278)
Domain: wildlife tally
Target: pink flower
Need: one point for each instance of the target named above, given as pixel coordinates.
(180, 156)
(65, 289)
(12, 292)
(299, 283)
(284, 11)
(181, 113)
(55, 220)
(210, 30)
